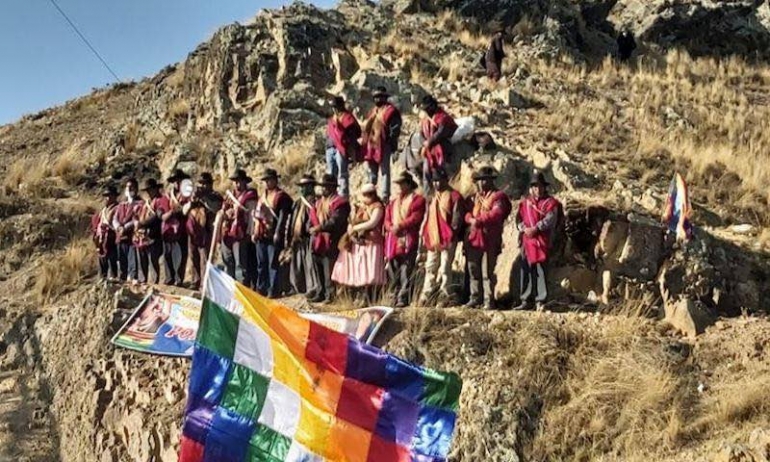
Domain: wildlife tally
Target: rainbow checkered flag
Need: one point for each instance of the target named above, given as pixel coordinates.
(269, 385)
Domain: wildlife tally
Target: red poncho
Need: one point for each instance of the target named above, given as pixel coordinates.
(531, 212)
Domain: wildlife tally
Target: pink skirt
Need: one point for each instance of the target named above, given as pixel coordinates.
(363, 265)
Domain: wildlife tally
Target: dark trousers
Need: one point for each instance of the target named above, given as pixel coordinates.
(533, 283)
(175, 261)
(239, 260)
(267, 268)
(302, 275)
(108, 264)
(198, 257)
(128, 261)
(481, 266)
(401, 272)
(323, 267)
(149, 257)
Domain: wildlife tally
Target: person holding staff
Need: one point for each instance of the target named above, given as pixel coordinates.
(238, 252)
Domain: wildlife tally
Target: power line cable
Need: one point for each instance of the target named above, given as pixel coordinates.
(84, 39)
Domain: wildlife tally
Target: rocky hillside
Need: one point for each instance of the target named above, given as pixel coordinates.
(609, 137)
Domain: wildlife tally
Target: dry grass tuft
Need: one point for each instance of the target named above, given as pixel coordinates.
(178, 110)
(28, 176)
(70, 165)
(65, 271)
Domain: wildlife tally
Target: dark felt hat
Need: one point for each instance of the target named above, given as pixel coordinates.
(178, 175)
(240, 174)
(205, 178)
(485, 173)
(338, 102)
(269, 174)
(406, 178)
(306, 180)
(328, 180)
(439, 174)
(381, 92)
(539, 179)
(150, 183)
(110, 191)
(428, 101)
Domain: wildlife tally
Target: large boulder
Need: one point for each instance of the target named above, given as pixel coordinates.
(633, 249)
(688, 316)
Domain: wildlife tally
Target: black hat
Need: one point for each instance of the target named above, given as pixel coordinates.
(406, 177)
(306, 180)
(205, 178)
(485, 173)
(428, 101)
(240, 174)
(270, 173)
(110, 191)
(439, 174)
(381, 91)
(328, 180)
(150, 183)
(338, 102)
(178, 175)
(539, 179)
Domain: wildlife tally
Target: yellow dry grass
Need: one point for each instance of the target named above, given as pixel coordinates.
(178, 110)
(70, 165)
(65, 271)
(27, 175)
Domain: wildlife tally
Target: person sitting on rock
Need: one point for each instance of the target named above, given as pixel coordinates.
(238, 253)
(493, 59)
(103, 234)
(437, 130)
(484, 237)
(200, 225)
(123, 222)
(403, 218)
(536, 219)
(174, 229)
(626, 45)
(302, 272)
(361, 262)
(329, 220)
(441, 232)
(270, 216)
(381, 131)
(342, 134)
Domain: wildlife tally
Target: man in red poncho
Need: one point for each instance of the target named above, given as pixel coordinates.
(484, 237)
(103, 234)
(440, 234)
(403, 218)
(201, 218)
(238, 252)
(381, 131)
(437, 130)
(174, 229)
(124, 222)
(270, 216)
(342, 134)
(329, 221)
(536, 219)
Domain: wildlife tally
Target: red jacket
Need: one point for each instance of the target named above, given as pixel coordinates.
(540, 214)
(237, 229)
(381, 131)
(125, 214)
(331, 215)
(344, 131)
(406, 212)
(438, 131)
(444, 220)
(174, 228)
(490, 210)
(101, 230)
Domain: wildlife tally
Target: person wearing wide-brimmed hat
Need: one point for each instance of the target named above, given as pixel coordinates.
(205, 205)
(437, 130)
(147, 235)
(381, 131)
(329, 220)
(484, 236)
(441, 232)
(297, 243)
(124, 222)
(493, 59)
(536, 221)
(361, 262)
(342, 134)
(238, 252)
(403, 218)
(103, 234)
(170, 208)
(270, 215)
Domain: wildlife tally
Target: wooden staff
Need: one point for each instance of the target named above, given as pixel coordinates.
(212, 251)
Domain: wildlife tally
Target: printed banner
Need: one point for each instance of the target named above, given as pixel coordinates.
(166, 324)
(162, 324)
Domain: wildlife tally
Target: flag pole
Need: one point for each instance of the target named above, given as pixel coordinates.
(212, 250)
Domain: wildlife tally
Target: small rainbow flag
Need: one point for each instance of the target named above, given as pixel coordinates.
(269, 385)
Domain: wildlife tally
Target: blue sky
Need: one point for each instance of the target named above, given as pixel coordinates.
(44, 63)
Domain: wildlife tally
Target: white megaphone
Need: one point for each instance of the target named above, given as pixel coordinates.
(187, 188)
